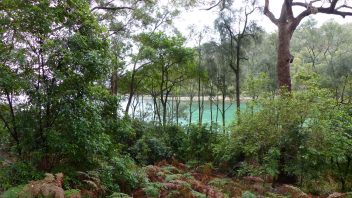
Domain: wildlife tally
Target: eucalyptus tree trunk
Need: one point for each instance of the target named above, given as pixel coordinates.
(284, 57)
(287, 24)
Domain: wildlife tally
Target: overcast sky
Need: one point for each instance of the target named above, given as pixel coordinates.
(200, 18)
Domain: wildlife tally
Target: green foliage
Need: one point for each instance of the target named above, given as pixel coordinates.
(177, 139)
(273, 195)
(220, 182)
(313, 131)
(153, 189)
(226, 185)
(58, 78)
(57, 115)
(12, 192)
(149, 150)
(248, 194)
(18, 173)
(121, 174)
(257, 85)
(71, 192)
(172, 141)
(201, 141)
(320, 186)
(198, 194)
(118, 195)
(168, 64)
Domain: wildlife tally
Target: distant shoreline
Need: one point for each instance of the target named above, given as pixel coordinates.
(195, 98)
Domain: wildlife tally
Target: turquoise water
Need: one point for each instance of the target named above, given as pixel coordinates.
(230, 113)
(209, 114)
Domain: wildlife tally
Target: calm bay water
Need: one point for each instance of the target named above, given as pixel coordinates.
(144, 110)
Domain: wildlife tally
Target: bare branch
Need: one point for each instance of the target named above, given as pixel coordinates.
(333, 4)
(111, 8)
(306, 5)
(213, 6)
(299, 18)
(343, 6)
(269, 14)
(334, 11)
(313, 10)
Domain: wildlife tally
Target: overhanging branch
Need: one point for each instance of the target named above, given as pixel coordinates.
(112, 8)
(310, 9)
(269, 14)
(213, 6)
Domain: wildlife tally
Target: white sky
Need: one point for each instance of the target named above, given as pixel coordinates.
(200, 18)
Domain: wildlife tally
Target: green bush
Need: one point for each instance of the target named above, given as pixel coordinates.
(177, 140)
(71, 192)
(121, 174)
(18, 173)
(303, 134)
(149, 150)
(12, 192)
(193, 144)
(118, 195)
(201, 143)
(248, 194)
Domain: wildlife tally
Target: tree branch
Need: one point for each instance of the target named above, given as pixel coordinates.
(111, 8)
(306, 5)
(213, 6)
(335, 12)
(313, 10)
(269, 14)
(344, 6)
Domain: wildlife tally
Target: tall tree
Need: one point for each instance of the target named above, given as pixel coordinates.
(54, 58)
(287, 24)
(239, 30)
(170, 64)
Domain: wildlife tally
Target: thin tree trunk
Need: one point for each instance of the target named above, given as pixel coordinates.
(178, 101)
(190, 110)
(134, 106)
(217, 108)
(131, 89)
(237, 73)
(202, 107)
(199, 90)
(223, 104)
(113, 83)
(141, 108)
(211, 107)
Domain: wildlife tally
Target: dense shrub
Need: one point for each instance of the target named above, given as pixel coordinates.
(17, 174)
(121, 174)
(304, 134)
(151, 149)
(201, 142)
(191, 144)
